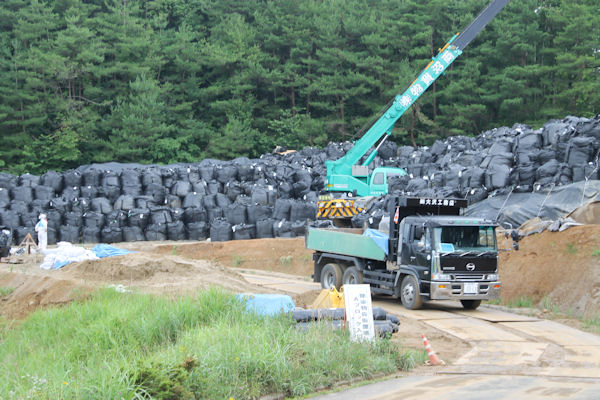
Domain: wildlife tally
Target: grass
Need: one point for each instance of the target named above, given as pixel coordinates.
(135, 346)
(6, 290)
(521, 302)
(592, 324)
(174, 250)
(571, 249)
(547, 304)
(285, 261)
(596, 253)
(496, 302)
(238, 260)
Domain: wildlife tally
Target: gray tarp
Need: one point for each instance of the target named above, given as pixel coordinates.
(516, 208)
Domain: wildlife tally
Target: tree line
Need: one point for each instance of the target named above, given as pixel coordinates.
(163, 81)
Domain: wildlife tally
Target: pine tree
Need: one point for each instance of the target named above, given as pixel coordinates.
(140, 132)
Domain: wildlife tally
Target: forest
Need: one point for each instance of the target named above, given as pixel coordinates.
(165, 81)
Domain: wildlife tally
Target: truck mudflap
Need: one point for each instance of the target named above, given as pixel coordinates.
(483, 290)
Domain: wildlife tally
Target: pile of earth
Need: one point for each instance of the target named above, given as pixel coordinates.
(275, 195)
(561, 269)
(169, 275)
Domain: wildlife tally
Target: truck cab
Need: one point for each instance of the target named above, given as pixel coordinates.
(378, 181)
(449, 258)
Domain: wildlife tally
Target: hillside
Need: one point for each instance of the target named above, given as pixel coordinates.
(177, 81)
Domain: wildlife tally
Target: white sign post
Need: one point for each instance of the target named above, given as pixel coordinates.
(359, 312)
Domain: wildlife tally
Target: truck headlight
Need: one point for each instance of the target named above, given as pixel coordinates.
(441, 277)
(492, 277)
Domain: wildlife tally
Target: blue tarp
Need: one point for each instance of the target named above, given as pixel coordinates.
(381, 239)
(267, 304)
(106, 250)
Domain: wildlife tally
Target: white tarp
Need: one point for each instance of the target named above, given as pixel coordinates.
(64, 254)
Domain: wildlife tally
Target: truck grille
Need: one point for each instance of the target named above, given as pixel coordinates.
(470, 277)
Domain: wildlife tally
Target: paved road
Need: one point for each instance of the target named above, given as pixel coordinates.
(512, 356)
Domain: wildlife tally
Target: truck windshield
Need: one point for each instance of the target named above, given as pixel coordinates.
(449, 239)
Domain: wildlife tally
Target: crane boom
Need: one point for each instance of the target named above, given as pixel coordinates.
(343, 174)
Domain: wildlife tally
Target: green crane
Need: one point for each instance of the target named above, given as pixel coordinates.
(344, 174)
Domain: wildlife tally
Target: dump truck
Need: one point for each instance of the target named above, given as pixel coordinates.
(428, 251)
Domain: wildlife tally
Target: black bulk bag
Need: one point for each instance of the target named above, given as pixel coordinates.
(197, 230)
(133, 234)
(220, 230)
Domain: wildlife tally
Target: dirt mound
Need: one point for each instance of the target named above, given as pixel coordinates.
(162, 274)
(279, 255)
(33, 288)
(131, 267)
(33, 292)
(562, 266)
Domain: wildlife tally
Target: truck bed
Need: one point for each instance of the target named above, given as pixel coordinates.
(345, 242)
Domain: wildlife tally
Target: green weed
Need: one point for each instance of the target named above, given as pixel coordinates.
(547, 304)
(5, 325)
(591, 324)
(494, 301)
(77, 293)
(521, 302)
(285, 261)
(136, 346)
(596, 253)
(174, 251)
(238, 260)
(6, 290)
(571, 248)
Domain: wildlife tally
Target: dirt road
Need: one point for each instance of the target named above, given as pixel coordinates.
(490, 354)
(512, 357)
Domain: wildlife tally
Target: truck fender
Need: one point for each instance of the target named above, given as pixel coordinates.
(351, 260)
(318, 258)
(400, 275)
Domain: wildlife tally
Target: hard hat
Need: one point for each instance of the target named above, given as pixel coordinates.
(42, 216)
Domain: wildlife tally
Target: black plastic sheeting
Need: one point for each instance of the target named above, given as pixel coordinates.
(511, 174)
(516, 208)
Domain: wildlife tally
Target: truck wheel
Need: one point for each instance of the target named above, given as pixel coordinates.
(470, 304)
(331, 276)
(352, 276)
(409, 293)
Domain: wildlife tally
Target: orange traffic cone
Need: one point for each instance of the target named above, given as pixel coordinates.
(433, 359)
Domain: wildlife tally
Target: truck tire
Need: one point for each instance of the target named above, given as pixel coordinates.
(470, 304)
(409, 293)
(331, 276)
(352, 276)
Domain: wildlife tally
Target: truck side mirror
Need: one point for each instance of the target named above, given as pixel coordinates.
(418, 231)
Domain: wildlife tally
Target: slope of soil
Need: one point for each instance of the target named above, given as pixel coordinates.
(562, 266)
(278, 255)
(34, 288)
(37, 291)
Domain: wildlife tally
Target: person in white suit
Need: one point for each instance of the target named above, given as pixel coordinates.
(42, 231)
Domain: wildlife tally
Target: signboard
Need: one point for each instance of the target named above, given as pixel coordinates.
(359, 312)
